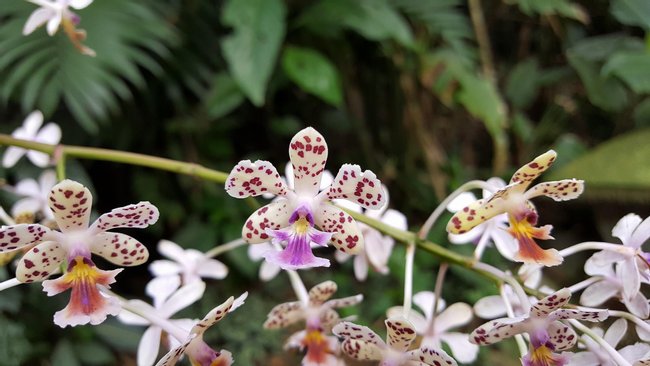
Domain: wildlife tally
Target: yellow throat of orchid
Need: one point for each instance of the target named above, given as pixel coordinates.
(544, 356)
(525, 232)
(301, 226)
(317, 346)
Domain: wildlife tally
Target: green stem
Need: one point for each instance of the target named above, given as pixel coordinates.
(93, 153)
(60, 167)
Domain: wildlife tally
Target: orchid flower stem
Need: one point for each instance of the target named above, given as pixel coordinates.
(151, 315)
(521, 343)
(584, 284)
(60, 167)
(593, 245)
(9, 283)
(437, 292)
(223, 248)
(631, 317)
(474, 184)
(612, 352)
(408, 278)
(6, 218)
(480, 247)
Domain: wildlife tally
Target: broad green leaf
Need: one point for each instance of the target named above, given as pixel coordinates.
(605, 92)
(483, 101)
(224, 96)
(313, 72)
(642, 114)
(252, 49)
(632, 68)
(632, 12)
(523, 83)
(615, 169)
(551, 7)
(601, 48)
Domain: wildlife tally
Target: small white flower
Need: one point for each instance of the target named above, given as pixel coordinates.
(191, 264)
(30, 130)
(597, 356)
(53, 13)
(35, 195)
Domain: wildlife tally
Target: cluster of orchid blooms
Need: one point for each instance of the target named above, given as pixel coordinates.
(310, 209)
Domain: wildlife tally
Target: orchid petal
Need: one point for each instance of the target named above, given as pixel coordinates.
(472, 236)
(53, 24)
(597, 293)
(17, 236)
(249, 179)
(362, 188)
(624, 228)
(638, 305)
(171, 250)
(628, 275)
(595, 267)
(212, 268)
(395, 219)
(172, 357)
(357, 332)
(308, 154)
(360, 266)
(401, 333)
(347, 235)
(496, 330)
(361, 350)
(36, 19)
(343, 302)
(424, 300)
(418, 320)
(149, 346)
(49, 134)
(584, 359)
(214, 316)
(32, 123)
(165, 268)
(273, 216)
(432, 357)
(256, 252)
(161, 288)
(268, 271)
(127, 317)
(551, 303)
(641, 234)
(139, 215)
(184, 297)
(590, 316)
(478, 212)
(322, 292)
(40, 262)
(563, 190)
(562, 336)
(461, 201)
(119, 249)
(616, 332)
(378, 250)
(534, 169)
(455, 315)
(28, 187)
(603, 258)
(284, 314)
(461, 348)
(635, 351)
(26, 206)
(12, 155)
(490, 307)
(70, 203)
(79, 4)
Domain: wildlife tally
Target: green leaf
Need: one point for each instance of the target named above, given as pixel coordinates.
(632, 68)
(252, 49)
(483, 101)
(523, 83)
(632, 12)
(605, 92)
(642, 114)
(224, 97)
(602, 47)
(552, 7)
(313, 72)
(614, 169)
(64, 355)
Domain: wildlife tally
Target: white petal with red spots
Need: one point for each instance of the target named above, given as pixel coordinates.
(350, 330)
(70, 202)
(308, 154)
(401, 333)
(362, 188)
(249, 179)
(40, 262)
(433, 357)
(360, 350)
(562, 336)
(534, 169)
(273, 216)
(119, 249)
(347, 235)
(322, 292)
(214, 316)
(562, 190)
(496, 330)
(21, 235)
(172, 357)
(284, 314)
(551, 303)
(139, 215)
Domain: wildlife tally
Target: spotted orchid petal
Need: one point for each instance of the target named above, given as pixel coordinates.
(213, 317)
(322, 292)
(87, 304)
(273, 216)
(401, 333)
(22, 235)
(550, 303)
(644, 362)
(432, 357)
(249, 179)
(498, 329)
(70, 203)
(591, 316)
(347, 234)
(344, 302)
(172, 357)
(562, 336)
(40, 262)
(362, 188)
(119, 249)
(361, 350)
(139, 215)
(351, 331)
(284, 314)
(477, 213)
(308, 154)
(414, 317)
(562, 190)
(529, 172)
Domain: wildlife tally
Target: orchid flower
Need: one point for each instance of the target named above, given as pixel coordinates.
(596, 356)
(199, 353)
(168, 299)
(293, 218)
(378, 247)
(319, 316)
(522, 215)
(361, 343)
(494, 306)
(35, 196)
(542, 323)
(631, 262)
(57, 13)
(70, 203)
(493, 230)
(31, 131)
(435, 330)
(191, 264)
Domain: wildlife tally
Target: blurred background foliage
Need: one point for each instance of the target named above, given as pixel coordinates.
(428, 94)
